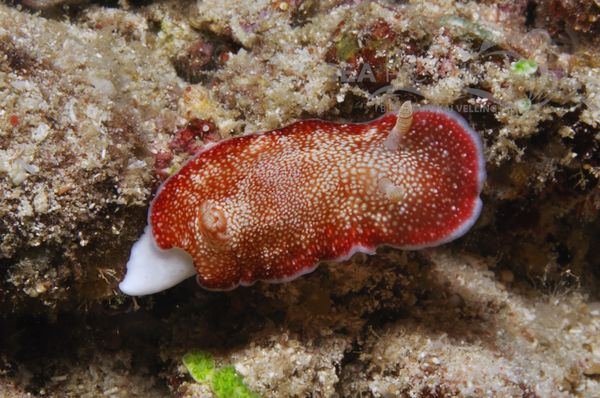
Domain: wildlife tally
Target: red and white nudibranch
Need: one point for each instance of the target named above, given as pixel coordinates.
(270, 206)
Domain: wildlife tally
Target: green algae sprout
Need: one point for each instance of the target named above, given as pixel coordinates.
(525, 67)
(224, 382)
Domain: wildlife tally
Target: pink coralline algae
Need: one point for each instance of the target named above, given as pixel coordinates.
(185, 139)
(270, 206)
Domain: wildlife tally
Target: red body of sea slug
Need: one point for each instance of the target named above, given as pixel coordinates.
(270, 206)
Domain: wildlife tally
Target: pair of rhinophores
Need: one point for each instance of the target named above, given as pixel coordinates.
(270, 206)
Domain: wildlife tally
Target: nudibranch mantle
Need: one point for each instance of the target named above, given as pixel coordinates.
(270, 206)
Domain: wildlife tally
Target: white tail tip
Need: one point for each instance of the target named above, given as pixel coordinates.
(151, 269)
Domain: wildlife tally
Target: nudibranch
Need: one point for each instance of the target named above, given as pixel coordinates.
(270, 206)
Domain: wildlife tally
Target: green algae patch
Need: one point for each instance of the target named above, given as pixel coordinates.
(346, 47)
(525, 67)
(200, 365)
(224, 382)
(228, 383)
